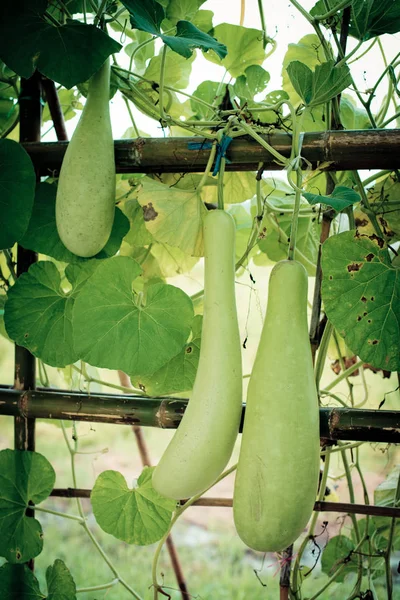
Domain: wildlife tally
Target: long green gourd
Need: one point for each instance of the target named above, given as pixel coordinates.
(277, 475)
(204, 440)
(86, 188)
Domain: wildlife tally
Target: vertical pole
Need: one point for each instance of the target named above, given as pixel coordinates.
(30, 107)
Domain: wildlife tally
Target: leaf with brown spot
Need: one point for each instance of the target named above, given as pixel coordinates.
(373, 291)
(386, 191)
(173, 216)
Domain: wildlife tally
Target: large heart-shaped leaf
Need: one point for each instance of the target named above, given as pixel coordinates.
(38, 311)
(136, 516)
(245, 48)
(24, 477)
(179, 373)
(17, 185)
(361, 294)
(68, 54)
(370, 18)
(116, 328)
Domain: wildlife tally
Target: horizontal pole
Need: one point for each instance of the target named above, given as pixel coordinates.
(320, 506)
(165, 412)
(338, 150)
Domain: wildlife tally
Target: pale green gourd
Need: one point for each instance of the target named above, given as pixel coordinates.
(204, 440)
(278, 470)
(86, 188)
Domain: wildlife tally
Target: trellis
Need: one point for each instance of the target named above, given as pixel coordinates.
(330, 151)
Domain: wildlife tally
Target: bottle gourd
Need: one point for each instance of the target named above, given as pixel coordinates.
(204, 440)
(278, 470)
(85, 201)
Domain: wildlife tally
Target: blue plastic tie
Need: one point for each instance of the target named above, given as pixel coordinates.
(221, 152)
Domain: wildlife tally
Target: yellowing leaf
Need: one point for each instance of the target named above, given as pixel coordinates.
(173, 216)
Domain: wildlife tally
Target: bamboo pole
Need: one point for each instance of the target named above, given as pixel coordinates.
(30, 116)
(321, 506)
(166, 412)
(337, 150)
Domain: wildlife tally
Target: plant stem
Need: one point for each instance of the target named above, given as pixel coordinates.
(97, 588)
(131, 116)
(84, 524)
(367, 206)
(311, 531)
(59, 514)
(177, 514)
(161, 88)
(333, 11)
(342, 376)
(99, 13)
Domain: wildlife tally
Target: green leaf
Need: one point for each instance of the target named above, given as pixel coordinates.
(3, 300)
(383, 192)
(244, 45)
(254, 81)
(68, 54)
(188, 37)
(176, 10)
(173, 216)
(136, 516)
(148, 17)
(353, 116)
(336, 553)
(385, 493)
(17, 183)
(42, 235)
(307, 51)
(24, 477)
(207, 91)
(340, 198)
(38, 311)
(326, 82)
(8, 98)
(60, 584)
(115, 329)
(370, 18)
(275, 227)
(177, 69)
(203, 20)
(17, 582)
(361, 293)
(301, 77)
(179, 373)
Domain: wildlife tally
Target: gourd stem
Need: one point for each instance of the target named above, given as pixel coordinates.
(295, 218)
(208, 167)
(221, 184)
